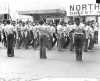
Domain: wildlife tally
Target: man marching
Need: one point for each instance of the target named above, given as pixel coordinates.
(42, 40)
(78, 39)
(10, 39)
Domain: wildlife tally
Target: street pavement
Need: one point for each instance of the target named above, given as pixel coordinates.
(27, 65)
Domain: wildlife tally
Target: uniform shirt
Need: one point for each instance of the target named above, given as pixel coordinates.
(43, 30)
(89, 31)
(1, 27)
(15, 28)
(82, 25)
(9, 29)
(79, 29)
(71, 27)
(18, 27)
(52, 29)
(59, 29)
(66, 30)
(95, 27)
(30, 27)
(34, 29)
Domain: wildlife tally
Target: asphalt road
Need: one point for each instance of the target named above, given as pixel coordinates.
(26, 65)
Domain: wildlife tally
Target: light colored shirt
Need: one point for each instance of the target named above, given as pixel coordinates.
(78, 29)
(9, 29)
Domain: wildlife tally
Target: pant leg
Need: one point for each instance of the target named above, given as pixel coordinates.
(86, 45)
(90, 44)
(42, 48)
(10, 45)
(71, 42)
(96, 37)
(55, 40)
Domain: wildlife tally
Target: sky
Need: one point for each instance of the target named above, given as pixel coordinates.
(20, 5)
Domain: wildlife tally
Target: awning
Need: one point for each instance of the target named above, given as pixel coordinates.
(42, 12)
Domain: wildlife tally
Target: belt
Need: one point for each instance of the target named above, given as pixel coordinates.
(78, 33)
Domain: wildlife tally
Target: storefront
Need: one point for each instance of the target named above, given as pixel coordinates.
(50, 15)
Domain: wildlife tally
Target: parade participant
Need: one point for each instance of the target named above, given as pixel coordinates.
(0, 32)
(50, 30)
(95, 32)
(1, 35)
(78, 39)
(42, 40)
(4, 41)
(59, 34)
(25, 35)
(54, 39)
(14, 30)
(31, 36)
(48, 42)
(52, 35)
(91, 43)
(10, 39)
(66, 35)
(71, 27)
(18, 35)
(63, 36)
(87, 36)
(32, 32)
(36, 36)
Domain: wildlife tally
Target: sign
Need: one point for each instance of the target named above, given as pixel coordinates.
(3, 9)
(97, 1)
(83, 9)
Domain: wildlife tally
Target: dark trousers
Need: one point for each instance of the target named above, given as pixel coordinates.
(43, 47)
(43, 52)
(55, 40)
(10, 41)
(91, 44)
(78, 42)
(0, 36)
(36, 43)
(71, 44)
(26, 43)
(59, 44)
(49, 43)
(86, 45)
(71, 41)
(96, 37)
(67, 41)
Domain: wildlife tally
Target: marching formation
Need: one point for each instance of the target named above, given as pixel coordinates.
(74, 35)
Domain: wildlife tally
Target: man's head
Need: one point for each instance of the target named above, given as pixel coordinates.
(41, 22)
(77, 21)
(8, 22)
(5, 22)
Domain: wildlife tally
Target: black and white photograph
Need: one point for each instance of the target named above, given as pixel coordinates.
(49, 40)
